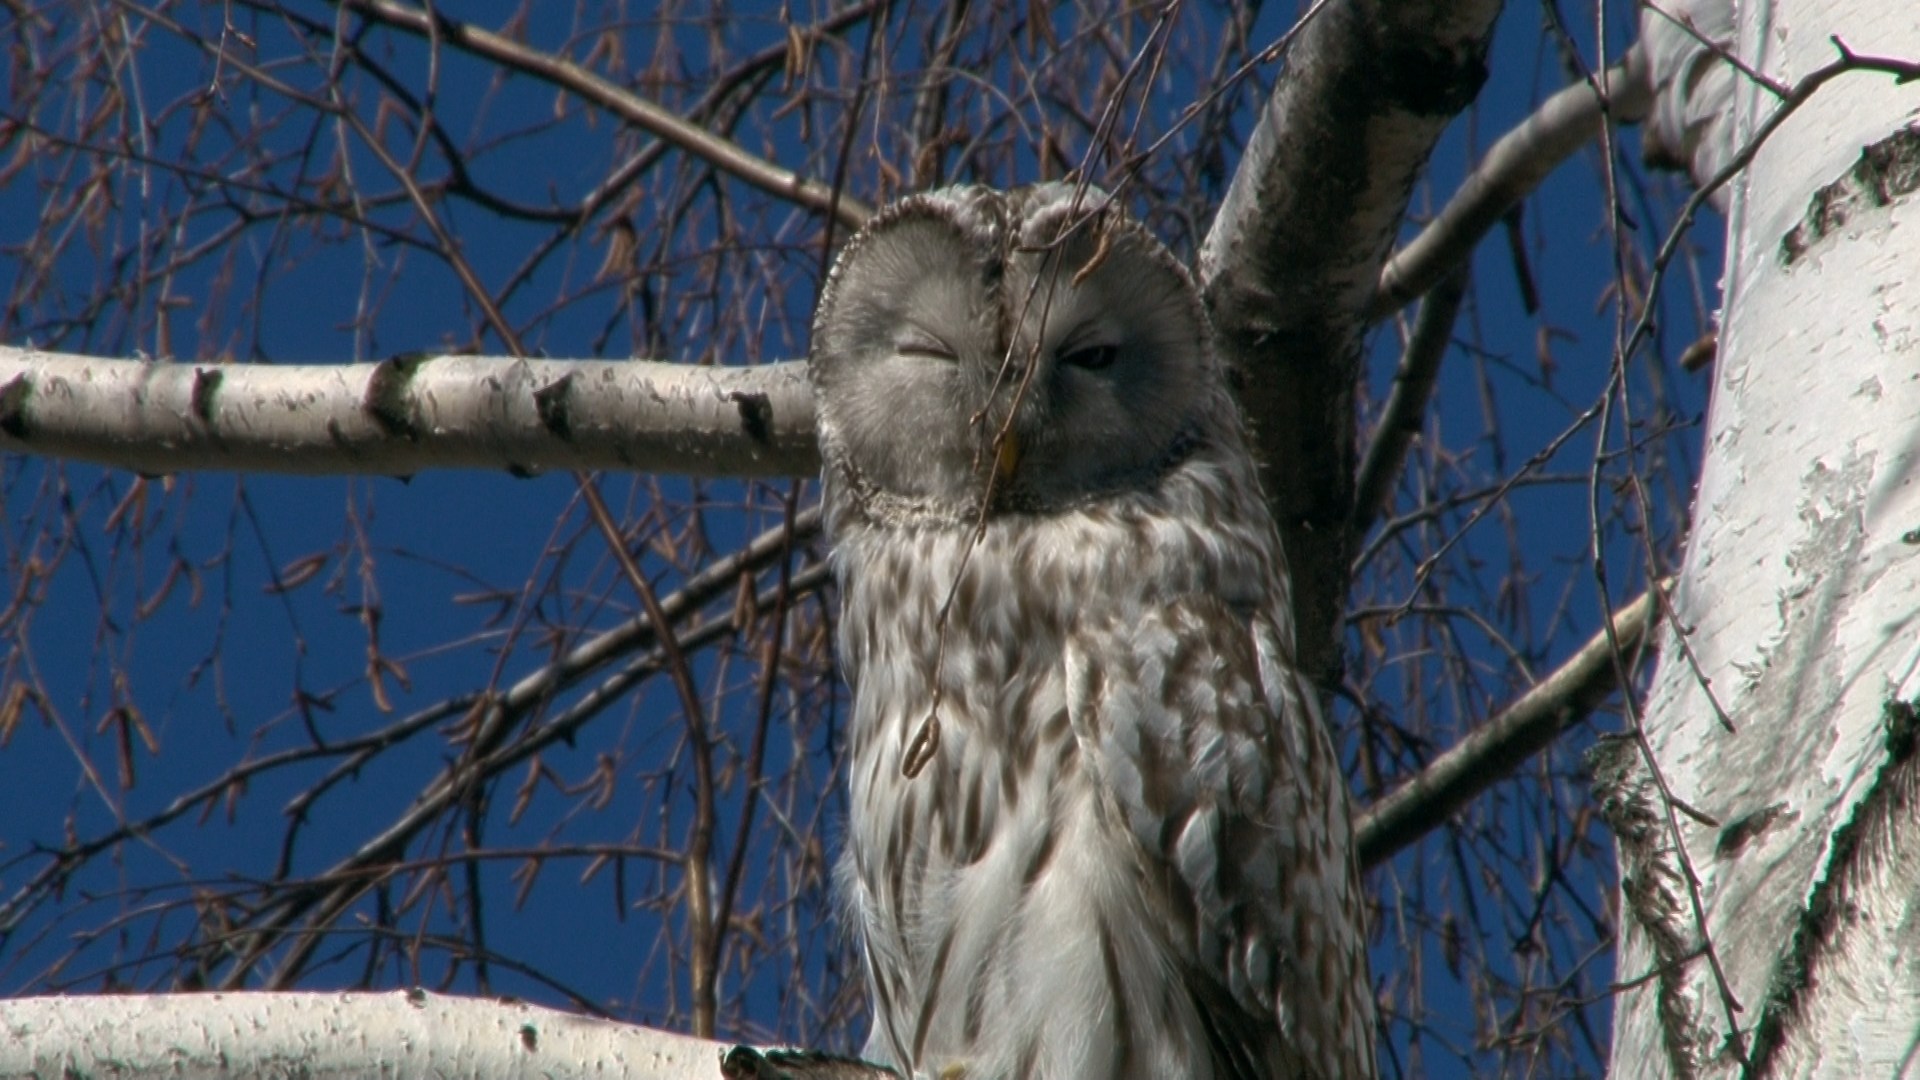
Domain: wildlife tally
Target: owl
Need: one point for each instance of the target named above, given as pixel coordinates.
(1097, 827)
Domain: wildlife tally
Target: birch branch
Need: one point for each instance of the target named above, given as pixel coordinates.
(1512, 168)
(1289, 267)
(1406, 409)
(402, 416)
(403, 1033)
(1692, 77)
(1493, 751)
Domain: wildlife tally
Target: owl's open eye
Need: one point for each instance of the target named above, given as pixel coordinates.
(1092, 357)
(916, 342)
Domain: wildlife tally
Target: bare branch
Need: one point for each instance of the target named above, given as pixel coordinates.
(331, 893)
(643, 114)
(699, 857)
(1509, 172)
(1491, 753)
(1290, 265)
(402, 1033)
(1406, 407)
(409, 414)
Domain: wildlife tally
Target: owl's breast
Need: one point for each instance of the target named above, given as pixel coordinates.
(953, 646)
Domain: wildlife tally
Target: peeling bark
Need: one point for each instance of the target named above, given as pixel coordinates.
(1800, 590)
(1861, 908)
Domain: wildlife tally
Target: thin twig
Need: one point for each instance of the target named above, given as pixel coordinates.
(699, 855)
(661, 123)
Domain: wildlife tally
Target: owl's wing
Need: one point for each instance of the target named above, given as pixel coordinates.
(1214, 757)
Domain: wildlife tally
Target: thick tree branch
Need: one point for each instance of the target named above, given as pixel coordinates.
(1492, 752)
(1290, 266)
(1692, 77)
(403, 1033)
(409, 414)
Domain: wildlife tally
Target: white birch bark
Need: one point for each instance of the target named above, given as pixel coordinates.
(1799, 594)
(404, 1033)
(403, 416)
(449, 412)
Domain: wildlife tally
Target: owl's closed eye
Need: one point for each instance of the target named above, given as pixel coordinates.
(1097, 829)
(952, 330)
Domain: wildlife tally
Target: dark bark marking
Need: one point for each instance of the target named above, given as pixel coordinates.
(756, 415)
(1886, 171)
(386, 399)
(1429, 81)
(551, 401)
(13, 406)
(1650, 888)
(1748, 828)
(206, 385)
(1868, 837)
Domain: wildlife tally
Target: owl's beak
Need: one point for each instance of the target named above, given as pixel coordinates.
(1006, 457)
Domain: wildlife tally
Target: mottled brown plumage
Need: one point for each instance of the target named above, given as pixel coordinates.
(1126, 852)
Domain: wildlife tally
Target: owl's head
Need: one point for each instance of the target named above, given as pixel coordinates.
(1027, 350)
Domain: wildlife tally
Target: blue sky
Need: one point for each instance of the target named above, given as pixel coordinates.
(475, 575)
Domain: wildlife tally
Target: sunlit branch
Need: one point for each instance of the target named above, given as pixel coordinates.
(347, 880)
(410, 414)
(504, 712)
(401, 1033)
(1493, 751)
(1296, 248)
(344, 883)
(1512, 168)
(699, 859)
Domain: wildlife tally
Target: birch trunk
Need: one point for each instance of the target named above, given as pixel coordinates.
(1770, 922)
